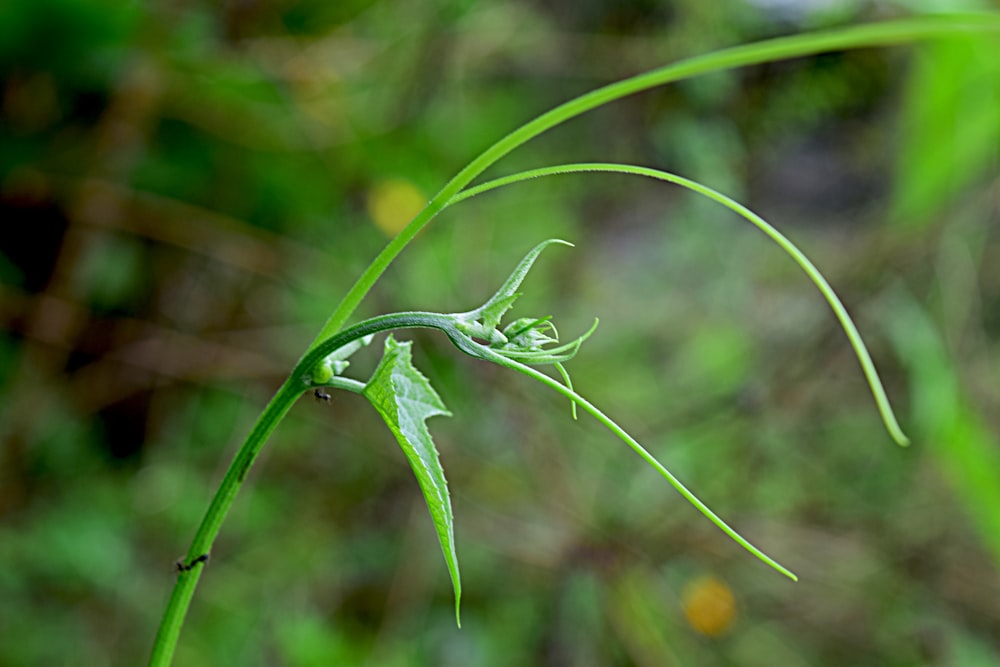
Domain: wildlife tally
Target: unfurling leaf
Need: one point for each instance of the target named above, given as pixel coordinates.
(491, 312)
(405, 399)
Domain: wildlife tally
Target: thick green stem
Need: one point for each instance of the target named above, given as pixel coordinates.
(189, 570)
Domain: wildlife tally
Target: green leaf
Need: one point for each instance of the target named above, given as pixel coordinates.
(405, 399)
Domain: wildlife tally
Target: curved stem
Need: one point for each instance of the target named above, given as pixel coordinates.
(412, 319)
(872, 35)
(860, 350)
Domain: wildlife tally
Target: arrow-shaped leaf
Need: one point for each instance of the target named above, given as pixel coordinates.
(405, 399)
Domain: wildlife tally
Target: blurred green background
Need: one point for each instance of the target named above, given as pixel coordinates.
(187, 189)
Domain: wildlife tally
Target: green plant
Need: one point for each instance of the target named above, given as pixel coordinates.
(404, 397)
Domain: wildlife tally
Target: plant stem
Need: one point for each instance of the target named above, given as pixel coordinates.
(294, 386)
(187, 579)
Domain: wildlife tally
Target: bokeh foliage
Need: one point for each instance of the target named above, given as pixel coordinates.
(186, 191)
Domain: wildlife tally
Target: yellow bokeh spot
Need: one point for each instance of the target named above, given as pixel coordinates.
(392, 203)
(709, 605)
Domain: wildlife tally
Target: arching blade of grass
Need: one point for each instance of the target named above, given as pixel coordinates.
(889, 33)
(874, 382)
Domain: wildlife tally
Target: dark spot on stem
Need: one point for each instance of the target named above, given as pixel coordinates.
(185, 567)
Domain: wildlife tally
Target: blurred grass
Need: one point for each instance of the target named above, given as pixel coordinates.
(185, 195)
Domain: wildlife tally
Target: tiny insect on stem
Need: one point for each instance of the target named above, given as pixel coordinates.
(185, 567)
(322, 396)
